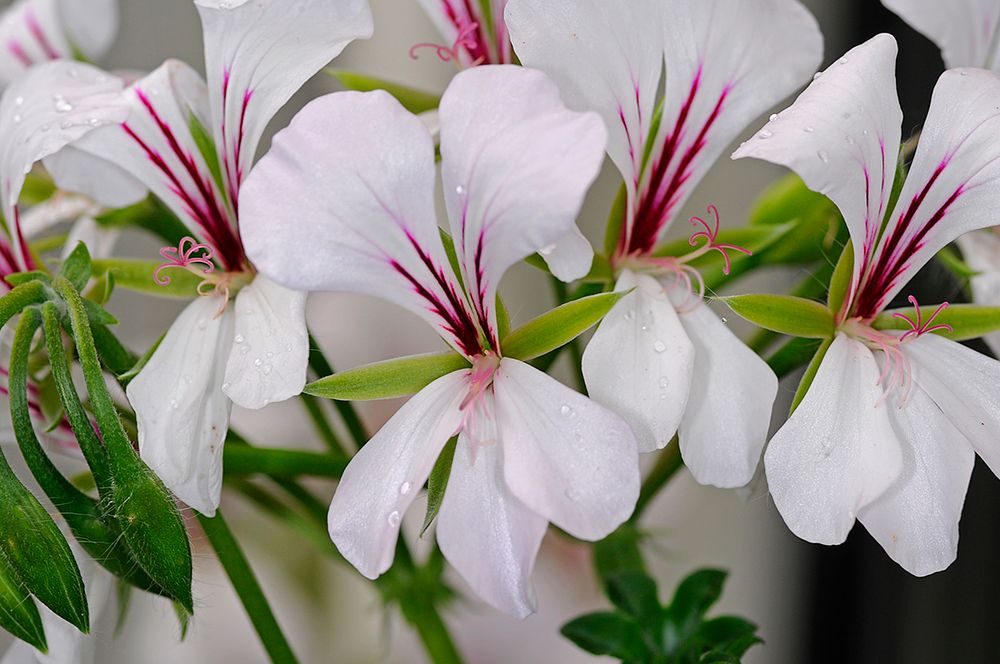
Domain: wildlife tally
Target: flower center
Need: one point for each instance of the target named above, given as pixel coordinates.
(478, 413)
(198, 259)
(464, 39)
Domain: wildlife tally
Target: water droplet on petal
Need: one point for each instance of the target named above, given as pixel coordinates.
(225, 386)
(267, 370)
(824, 156)
(404, 488)
(174, 404)
(65, 124)
(72, 72)
(659, 346)
(963, 73)
(842, 61)
(17, 117)
(459, 190)
(817, 75)
(239, 339)
(245, 349)
(774, 116)
(808, 130)
(664, 381)
(288, 348)
(258, 362)
(567, 411)
(765, 134)
(62, 106)
(19, 101)
(630, 314)
(547, 250)
(725, 320)
(393, 518)
(573, 494)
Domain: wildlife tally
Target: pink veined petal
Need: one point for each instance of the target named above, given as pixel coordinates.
(566, 457)
(344, 202)
(258, 53)
(727, 62)
(842, 137)
(728, 412)
(916, 519)
(91, 26)
(965, 30)
(963, 383)
(48, 108)
(489, 536)
(516, 165)
(455, 19)
(155, 145)
(270, 352)
(953, 186)
(182, 413)
(386, 475)
(838, 452)
(640, 362)
(605, 57)
(99, 239)
(981, 251)
(37, 31)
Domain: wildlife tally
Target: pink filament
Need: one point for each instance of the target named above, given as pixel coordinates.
(920, 326)
(183, 256)
(710, 235)
(451, 53)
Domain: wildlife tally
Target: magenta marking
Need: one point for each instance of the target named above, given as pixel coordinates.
(36, 31)
(19, 53)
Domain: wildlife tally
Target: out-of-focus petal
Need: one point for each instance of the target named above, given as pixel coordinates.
(981, 250)
(965, 30)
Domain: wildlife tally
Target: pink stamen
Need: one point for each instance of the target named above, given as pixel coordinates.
(688, 279)
(444, 53)
(921, 327)
(478, 416)
(711, 235)
(183, 256)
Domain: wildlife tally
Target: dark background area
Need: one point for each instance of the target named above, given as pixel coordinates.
(865, 609)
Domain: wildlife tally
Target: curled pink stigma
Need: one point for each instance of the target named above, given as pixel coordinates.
(920, 326)
(687, 278)
(710, 234)
(183, 256)
(444, 53)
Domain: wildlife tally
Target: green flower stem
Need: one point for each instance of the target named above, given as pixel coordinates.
(421, 611)
(248, 460)
(246, 586)
(667, 464)
(322, 368)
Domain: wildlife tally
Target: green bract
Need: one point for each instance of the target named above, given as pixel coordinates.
(794, 316)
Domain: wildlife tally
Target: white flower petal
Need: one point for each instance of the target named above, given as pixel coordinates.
(963, 383)
(99, 179)
(48, 108)
(489, 536)
(571, 257)
(640, 362)
(100, 240)
(258, 53)
(953, 185)
(981, 251)
(916, 520)
(965, 30)
(344, 201)
(565, 457)
(838, 452)
(842, 137)
(725, 423)
(271, 348)
(516, 165)
(386, 475)
(605, 57)
(181, 411)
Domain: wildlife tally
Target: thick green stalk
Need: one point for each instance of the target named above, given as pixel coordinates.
(247, 588)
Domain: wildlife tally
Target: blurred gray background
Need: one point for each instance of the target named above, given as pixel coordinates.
(329, 612)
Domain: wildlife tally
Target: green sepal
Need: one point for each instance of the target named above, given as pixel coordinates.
(103, 288)
(137, 275)
(151, 525)
(413, 100)
(206, 146)
(18, 612)
(810, 375)
(840, 282)
(126, 377)
(437, 483)
(21, 278)
(76, 267)
(968, 321)
(786, 314)
(387, 380)
(558, 327)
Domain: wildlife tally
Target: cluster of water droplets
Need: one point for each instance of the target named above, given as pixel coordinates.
(659, 346)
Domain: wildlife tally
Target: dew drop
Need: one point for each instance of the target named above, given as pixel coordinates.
(267, 370)
(963, 73)
(17, 117)
(808, 130)
(393, 518)
(258, 362)
(19, 101)
(225, 386)
(725, 320)
(548, 250)
(824, 156)
(174, 404)
(73, 72)
(270, 355)
(567, 410)
(645, 328)
(203, 323)
(94, 122)
(65, 124)
(774, 116)
(245, 349)
(817, 75)
(459, 190)
(404, 488)
(573, 494)
(45, 127)
(842, 61)
(62, 106)
(765, 134)
(630, 314)
(659, 346)
(664, 381)
(288, 348)
(239, 339)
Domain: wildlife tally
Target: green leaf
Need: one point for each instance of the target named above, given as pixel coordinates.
(76, 267)
(20, 278)
(619, 553)
(18, 612)
(635, 593)
(103, 289)
(840, 283)
(616, 220)
(697, 593)
(968, 321)
(387, 380)
(413, 100)
(810, 375)
(38, 187)
(151, 525)
(558, 327)
(728, 636)
(437, 483)
(206, 146)
(605, 633)
(137, 275)
(794, 316)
